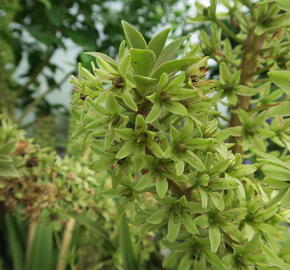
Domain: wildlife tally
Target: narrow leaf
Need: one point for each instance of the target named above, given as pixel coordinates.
(217, 200)
(173, 66)
(189, 224)
(161, 187)
(133, 37)
(169, 51)
(127, 149)
(154, 113)
(173, 228)
(128, 99)
(126, 247)
(281, 78)
(214, 238)
(124, 66)
(157, 43)
(176, 108)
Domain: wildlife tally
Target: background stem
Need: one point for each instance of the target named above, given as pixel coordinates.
(64, 248)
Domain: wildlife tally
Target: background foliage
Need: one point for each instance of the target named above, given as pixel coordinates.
(33, 32)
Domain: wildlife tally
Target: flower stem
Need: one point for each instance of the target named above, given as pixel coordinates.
(62, 256)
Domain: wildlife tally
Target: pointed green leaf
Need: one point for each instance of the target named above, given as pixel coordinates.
(142, 61)
(173, 228)
(174, 134)
(163, 80)
(217, 200)
(133, 37)
(244, 170)
(128, 99)
(8, 170)
(189, 224)
(169, 51)
(161, 187)
(176, 108)
(185, 263)
(154, 113)
(102, 64)
(122, 50)
(200, 264)
(178, 81)
(112, 104)
(214, 260)
(282, 109)
(243, 116)
(225, 74)
(157, 43)
(155, 148)
(143, 182)
(221, 166)
(124, 66)
(126, 150)
(7, 148)
(233, 232)
(253, 244)
(158, 216)
(228, 182)
(143, 83)
(173, 66)
(105, 57)
(204, 198)
(201, 221)
(283, 4)
(171, 260)
(246, 91)
(193, 160)
(281, 78)
(124, 133)
(140, 124)
(276, 172)
(179, 165)
(214, 238)
(270, 159)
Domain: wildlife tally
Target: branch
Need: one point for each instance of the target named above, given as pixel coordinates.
(36, 101)
(37, 71)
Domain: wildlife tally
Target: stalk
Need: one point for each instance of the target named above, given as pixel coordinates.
(31, 234)
(249, 66)
(62, 256)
